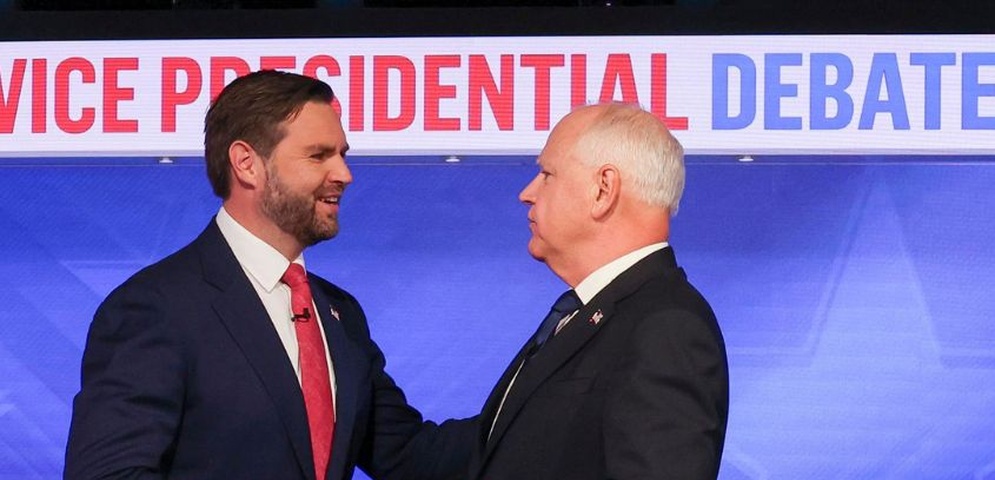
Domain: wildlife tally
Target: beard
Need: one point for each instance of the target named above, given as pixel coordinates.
(295, 213)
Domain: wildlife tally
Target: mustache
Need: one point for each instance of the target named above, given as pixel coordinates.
(336, 188)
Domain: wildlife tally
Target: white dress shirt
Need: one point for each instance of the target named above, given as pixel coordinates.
(607, 273)
(264, 266)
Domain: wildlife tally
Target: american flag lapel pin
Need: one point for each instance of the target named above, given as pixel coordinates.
(596, 318)
(335, 313)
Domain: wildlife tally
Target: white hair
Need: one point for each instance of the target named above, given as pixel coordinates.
(649, 158)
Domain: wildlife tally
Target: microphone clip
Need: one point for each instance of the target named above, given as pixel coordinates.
(302, 317)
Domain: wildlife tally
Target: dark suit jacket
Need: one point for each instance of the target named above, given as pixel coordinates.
(635, 386)
(184, 376)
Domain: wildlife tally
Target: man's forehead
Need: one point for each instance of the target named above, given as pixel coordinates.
(559, 144)
(544, 158)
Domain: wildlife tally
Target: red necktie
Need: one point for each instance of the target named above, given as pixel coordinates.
(314, 369)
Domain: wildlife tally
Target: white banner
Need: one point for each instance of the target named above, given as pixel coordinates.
(848, 94)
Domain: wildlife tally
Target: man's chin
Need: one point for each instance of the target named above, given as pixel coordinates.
(536, 252)
(318, 235)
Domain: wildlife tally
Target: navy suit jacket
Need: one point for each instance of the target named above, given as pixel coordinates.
(184, 376)
(635, 386)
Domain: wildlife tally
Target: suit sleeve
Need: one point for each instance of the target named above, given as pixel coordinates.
(401, 444)
(126, 414)
(411, 448)
(665, 418)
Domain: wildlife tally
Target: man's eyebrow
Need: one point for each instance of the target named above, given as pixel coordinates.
(326, 148)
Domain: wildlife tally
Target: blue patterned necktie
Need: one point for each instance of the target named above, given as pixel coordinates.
(565, 305)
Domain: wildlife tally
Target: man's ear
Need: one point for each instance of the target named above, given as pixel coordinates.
(246, 165)
(609, 187)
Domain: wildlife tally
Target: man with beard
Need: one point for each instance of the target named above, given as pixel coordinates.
(227, 359)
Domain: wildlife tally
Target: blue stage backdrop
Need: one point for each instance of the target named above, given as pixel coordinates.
(855, 294)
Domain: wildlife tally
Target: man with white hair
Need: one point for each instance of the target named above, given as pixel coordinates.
(627, 377)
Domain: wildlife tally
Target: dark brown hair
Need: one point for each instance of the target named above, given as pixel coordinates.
(252, 109)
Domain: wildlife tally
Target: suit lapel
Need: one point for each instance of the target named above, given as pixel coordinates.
(238, 307)
(537, 369)
(497, 394)
(347, 379)
(570, 340)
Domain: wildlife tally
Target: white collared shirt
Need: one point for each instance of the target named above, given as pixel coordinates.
(264, 266)
(588, 288)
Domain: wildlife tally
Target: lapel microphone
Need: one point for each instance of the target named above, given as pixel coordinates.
(302, 317)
